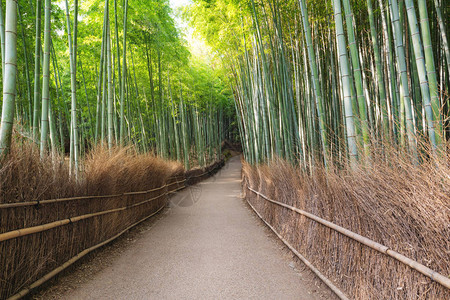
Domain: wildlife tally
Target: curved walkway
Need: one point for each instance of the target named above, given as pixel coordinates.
(208, 245)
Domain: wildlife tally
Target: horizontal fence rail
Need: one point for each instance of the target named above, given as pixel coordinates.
(35, 229)
(74, 259)
(325, 280)
(40, 202)
(435, 276)
(181, 182)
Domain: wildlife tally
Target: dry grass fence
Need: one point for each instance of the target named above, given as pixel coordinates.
(118, 189)
(402, 206)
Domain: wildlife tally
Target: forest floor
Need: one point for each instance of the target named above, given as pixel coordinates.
(207, 244)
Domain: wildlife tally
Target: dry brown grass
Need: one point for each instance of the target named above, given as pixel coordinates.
(124, 170)
(395, 203)
(26, 177)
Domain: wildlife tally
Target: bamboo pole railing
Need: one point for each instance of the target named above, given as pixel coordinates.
(40, 228)
(57, 200)
(71, 261)
(435, 276)
(325, 280)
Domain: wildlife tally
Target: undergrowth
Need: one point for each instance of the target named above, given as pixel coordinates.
(24, 176)
(391, 201)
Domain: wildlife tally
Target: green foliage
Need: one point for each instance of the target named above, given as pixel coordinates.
(156, 53)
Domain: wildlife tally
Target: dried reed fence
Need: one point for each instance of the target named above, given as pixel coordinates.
(48, 221)
(401, 206)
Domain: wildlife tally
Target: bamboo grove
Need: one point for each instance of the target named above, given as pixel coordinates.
(109, 72)
(334, 81)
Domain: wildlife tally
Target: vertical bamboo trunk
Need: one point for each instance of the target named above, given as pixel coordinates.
(346, 84)
(110, 91)
(404, 85)
(25, 55)
(9, 82)
(2, 39)
(101, 74)
(379, 72)
(185, 131)
(73, 123)
(37, 69)
(443, 34)
(124, 70)
(87, 102)
(45, 79)
(357, 76)
(52, 129)
(431, 71)
(315, 80)
(421, 70)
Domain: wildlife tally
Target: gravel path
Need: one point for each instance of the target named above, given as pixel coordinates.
(207, 245)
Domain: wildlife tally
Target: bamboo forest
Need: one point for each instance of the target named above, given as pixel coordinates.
(327, 122)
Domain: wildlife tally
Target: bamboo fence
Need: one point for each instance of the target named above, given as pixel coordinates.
(23, 249)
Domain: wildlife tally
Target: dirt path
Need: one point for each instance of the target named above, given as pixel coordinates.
(208, 245)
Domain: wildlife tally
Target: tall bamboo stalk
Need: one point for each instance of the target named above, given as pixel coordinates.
(404, 85)
(45, 79)
(431, 71)
(37, 70)
(2, 40)
(346, 83)
(443, 34)
(379, 71)
(421, 70)
(73, 123)
(9, 82)
(357, 75)
(315, 79)
(124, 70)
(110, 91)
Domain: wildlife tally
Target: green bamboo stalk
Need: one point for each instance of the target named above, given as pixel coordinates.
(2, 39)
(124, 70)
(404, 86)
(392, 80)
(116, 30)
(431, 71)
(379, 72)
(104, 99)
(357, 76)
(109, 72)
(346, 84)
(45, 79)
(74, 127)
(75, 37)
(443, 34)
(184, 127)
(25, 55)
(388, 66)
(315, 80)
(87, 101)
(174, 120)
(52, 128)
(37, 70)
(98, 119)
(9, 82)
(421, 70)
